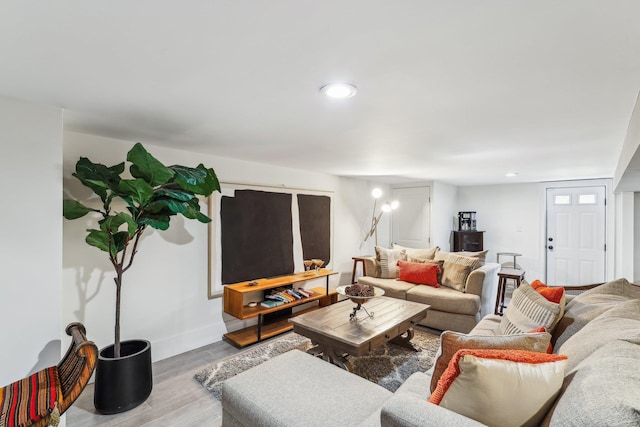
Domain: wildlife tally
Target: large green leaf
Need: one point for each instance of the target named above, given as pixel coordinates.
(112, 223)
(147, 167)
(199, 180)
(97, 176)
(99, 239)
(202, 218)
(193, 212)
(120, 240)
(159, 222)
(136, 190)
(162, 205)
(73, 209)
(174, 194)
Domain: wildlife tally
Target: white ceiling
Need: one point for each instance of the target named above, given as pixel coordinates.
(456, 91)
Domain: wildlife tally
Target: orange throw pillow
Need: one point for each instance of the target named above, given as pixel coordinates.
(419, 273)
(552, 294)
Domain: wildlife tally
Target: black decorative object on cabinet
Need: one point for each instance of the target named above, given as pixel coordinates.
(468, 241)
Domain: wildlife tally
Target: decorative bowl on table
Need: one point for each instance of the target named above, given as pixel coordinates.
(360, 294)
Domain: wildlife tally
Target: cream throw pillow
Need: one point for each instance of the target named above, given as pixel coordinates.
(529, 310)
(481, 255)
(451, 342)
(456, 270)
(388, 262)
(501, 388)
(428, 253)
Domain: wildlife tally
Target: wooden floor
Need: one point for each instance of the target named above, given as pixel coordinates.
(177, 398)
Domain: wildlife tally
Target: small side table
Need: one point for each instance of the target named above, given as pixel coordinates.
(356, 260)
(506, 274)
(508, 254)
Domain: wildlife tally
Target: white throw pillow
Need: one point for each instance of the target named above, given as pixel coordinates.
(388, 262)
(501, 388)
(428, 253)
(451, 342)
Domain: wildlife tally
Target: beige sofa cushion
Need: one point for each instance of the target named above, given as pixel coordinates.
(392, 288)
(620, 322)
(427, 253)
(456, 270)
(445, 299)
(587, 306)
(488, 325)
(603, 391)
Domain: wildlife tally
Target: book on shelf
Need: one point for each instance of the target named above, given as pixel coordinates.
(271, 303)
(294, 294)
(305, 292)
(286, 296)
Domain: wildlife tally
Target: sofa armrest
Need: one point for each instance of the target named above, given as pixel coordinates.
(408, 411)
(488, 288)
(477, 278)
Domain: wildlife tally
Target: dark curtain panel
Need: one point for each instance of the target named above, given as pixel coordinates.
(315, 226)
(257, 235)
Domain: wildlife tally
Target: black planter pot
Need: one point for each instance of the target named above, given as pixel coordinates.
(123, 383)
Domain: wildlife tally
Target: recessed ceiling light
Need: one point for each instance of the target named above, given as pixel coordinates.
(511, 174)
(339, 90)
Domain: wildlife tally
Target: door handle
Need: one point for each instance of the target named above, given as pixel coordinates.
(551, 239)
(550, 247)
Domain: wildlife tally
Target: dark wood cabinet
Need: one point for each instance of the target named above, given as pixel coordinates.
(467, 241)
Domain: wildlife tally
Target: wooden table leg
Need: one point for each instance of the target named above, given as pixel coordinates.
(500, 296)
(353, 275)
(404, 340)
(329, 354)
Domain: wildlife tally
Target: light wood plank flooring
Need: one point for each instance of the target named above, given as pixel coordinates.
(177, 398)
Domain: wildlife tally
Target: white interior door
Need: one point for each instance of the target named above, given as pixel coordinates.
(576, 236)
(411, 221)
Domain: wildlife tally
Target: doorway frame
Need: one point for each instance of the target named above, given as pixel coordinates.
(609, 213)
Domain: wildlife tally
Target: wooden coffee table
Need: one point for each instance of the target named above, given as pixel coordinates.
(336, 336)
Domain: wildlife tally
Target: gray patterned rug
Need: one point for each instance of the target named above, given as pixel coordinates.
(388, 366)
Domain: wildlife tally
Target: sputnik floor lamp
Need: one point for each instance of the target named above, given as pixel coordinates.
(375, 219)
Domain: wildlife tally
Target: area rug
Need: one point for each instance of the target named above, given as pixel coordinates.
(389, 365)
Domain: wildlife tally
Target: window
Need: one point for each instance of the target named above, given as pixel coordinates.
(564, 199)
(587, 199)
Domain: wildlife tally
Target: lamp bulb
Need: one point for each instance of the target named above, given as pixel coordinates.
(395, 204)
(386, 207)
(376, 193)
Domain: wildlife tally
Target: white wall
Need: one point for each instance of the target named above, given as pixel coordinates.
(636, 238)
(165, 292)
(510, 217)
(443, 210)
(627, 174)
(625, 235)
(30, 237)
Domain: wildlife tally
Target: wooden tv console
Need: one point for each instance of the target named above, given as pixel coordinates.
(237, 296)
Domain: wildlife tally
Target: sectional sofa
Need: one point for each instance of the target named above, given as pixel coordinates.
(599, 332)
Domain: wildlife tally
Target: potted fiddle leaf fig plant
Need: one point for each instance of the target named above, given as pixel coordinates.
(151, 195)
